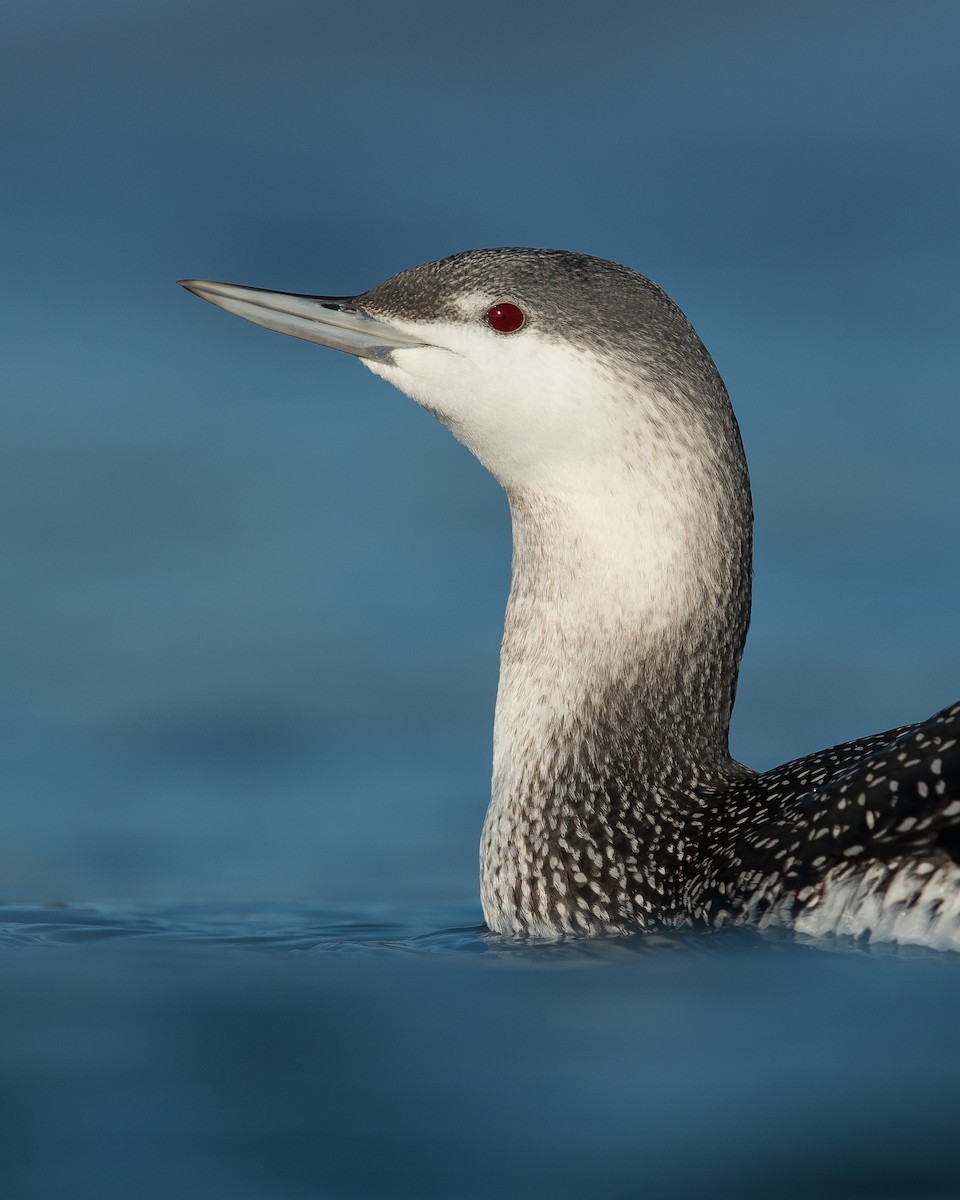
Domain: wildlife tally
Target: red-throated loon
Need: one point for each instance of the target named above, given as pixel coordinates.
(616, 806)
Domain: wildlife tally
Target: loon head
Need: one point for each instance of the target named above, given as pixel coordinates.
(557, 370)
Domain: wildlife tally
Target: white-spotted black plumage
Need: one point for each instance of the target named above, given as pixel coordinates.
(616, 806)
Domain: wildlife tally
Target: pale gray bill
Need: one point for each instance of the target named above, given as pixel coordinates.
(328, 320)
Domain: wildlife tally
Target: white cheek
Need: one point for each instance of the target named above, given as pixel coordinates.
(528, 408)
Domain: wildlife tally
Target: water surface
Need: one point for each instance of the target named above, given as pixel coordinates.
(273, 1052)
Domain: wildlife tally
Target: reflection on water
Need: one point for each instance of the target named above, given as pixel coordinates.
(276, 928)
(268, 1052)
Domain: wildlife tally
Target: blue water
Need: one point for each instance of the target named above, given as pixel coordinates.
(284, 1052)
(251, 598)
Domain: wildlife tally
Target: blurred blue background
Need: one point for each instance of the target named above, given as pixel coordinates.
(252, 597)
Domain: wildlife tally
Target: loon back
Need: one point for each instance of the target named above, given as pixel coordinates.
(863, 838)
(615, 803)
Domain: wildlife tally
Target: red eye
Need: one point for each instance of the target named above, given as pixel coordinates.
(505, 318)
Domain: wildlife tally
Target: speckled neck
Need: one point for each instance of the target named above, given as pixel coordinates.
(624, 629)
